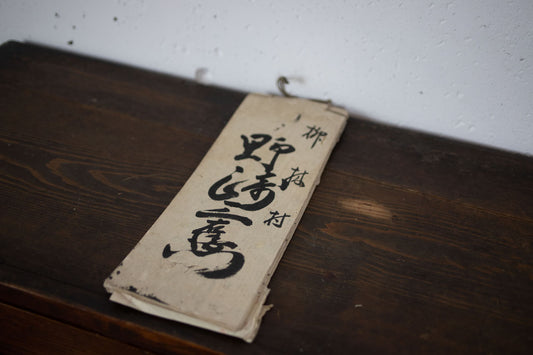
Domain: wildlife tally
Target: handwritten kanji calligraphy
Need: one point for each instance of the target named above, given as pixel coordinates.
(250, 146)
(167, 252)
(206, 240)
(261, 191)
(314, 132)
(297, 177)
(222, 213)
(276, 219)
(228, 190)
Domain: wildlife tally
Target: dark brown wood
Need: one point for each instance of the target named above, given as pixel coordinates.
(27, 333)
(411, 243)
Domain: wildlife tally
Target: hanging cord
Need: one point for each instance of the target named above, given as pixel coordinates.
(282, 81)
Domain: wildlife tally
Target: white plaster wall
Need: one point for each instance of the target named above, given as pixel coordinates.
(461, 69)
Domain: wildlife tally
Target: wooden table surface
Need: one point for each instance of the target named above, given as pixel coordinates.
(410, 244)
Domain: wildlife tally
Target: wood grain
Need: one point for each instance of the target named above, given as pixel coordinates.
(26, 333)
(410, 244)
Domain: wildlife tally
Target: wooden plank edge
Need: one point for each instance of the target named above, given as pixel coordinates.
(26, 332)
(92, 321)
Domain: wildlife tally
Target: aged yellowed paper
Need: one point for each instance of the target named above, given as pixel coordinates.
(208, 258)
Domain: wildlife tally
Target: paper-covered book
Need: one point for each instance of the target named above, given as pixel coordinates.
(208, 259)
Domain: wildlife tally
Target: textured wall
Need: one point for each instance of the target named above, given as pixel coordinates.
(461, 69)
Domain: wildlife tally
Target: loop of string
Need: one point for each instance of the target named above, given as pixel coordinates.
(282, 81)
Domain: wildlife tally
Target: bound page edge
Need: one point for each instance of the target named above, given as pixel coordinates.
(247, 332)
